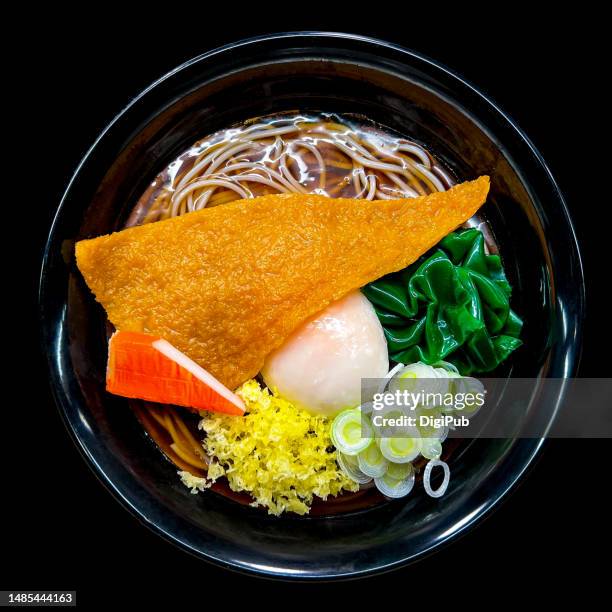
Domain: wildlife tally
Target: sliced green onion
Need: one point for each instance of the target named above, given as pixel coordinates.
(352, 471)
(444, 383)
(390, 374)
(446, 365)
(401, 450)
(346, 432)
(427, 478)
(438, 432)
(474, 387)
(417, 370)
(463, 385)
(350, 459)
(454, 382)
(446, 375)
(419, 377)
(405, 379)
(431, 448)
(385, 430)
(455, 385)
(372, 462)
(394, 488)
(400, 471)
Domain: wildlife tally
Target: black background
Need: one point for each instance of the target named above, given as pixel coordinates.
(67, 78)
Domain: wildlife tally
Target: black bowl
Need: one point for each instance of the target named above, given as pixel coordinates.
(330, 72)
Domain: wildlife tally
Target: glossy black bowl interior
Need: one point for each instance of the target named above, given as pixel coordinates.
(309, 72)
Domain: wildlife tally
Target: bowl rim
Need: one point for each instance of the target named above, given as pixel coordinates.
(531, 447)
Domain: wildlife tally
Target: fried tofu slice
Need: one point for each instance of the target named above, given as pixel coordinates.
(227, 285)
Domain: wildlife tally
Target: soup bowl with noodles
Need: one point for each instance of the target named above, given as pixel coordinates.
(340, 116)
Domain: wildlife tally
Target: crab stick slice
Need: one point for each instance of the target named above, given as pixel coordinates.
(148, 367)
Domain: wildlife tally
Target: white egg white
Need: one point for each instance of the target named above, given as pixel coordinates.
(321, 365)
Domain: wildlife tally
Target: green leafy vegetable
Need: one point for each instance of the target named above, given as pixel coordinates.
(453, 304)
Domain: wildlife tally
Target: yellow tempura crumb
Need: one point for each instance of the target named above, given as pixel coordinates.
(195, 483)
(280, 454)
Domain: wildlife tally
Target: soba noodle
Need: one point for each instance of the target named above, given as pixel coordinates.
(294, 154)
(306, 154)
